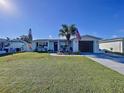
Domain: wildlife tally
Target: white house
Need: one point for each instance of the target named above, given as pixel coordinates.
(2, 45)
(17, 46)
(113, 45)
(52, 45)
(86, 44)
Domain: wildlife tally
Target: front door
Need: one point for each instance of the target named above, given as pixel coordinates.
(55, 46)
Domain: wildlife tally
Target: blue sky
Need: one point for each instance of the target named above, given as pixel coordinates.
(102, 18)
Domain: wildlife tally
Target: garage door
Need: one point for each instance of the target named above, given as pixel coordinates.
(86, 46)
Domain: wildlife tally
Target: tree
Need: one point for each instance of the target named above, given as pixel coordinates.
(30, 35)
(68, 31)
(25, 38)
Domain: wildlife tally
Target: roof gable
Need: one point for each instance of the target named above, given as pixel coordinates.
(90, 36)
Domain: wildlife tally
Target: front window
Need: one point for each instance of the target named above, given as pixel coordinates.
(43, 46)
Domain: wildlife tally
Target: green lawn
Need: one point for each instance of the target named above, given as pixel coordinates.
(41, 73)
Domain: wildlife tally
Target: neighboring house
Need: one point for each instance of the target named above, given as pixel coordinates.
(113, 45)
(17, 46)
(86, 44)
(2, 45)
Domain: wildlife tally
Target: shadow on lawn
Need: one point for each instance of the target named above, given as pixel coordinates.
(6, 54)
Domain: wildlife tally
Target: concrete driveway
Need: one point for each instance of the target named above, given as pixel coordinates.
(114, 62)
(116, 58)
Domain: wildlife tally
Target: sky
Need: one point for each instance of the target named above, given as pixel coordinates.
(101, 18)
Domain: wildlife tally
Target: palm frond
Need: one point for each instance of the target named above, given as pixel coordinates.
(68, 31)
(61, 32)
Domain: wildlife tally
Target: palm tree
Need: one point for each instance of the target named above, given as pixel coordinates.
(68, 31)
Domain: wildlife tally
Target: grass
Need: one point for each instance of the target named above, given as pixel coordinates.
(41, 73)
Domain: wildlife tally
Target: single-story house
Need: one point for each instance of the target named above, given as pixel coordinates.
(2, 45)
(113, 45)
(87, 43)
(17, 46)
(52, 45)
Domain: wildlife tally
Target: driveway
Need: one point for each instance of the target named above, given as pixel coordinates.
(114, 62)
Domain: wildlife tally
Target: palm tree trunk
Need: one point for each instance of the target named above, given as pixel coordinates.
(68, 45)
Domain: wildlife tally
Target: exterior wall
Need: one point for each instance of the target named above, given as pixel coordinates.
(33, 46)
(2, 47)
(95, 46)
(2, 44)
(123, 46)
(14, 45)
(115, 46)
(75, 45)
(50, 46)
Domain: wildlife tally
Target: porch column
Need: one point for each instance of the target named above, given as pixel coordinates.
(48, 45)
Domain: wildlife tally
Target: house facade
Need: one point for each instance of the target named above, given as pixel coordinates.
(52, 45)
(86, 44)
(12, 46)
(113, 45)
(17, 46)
(2, 45)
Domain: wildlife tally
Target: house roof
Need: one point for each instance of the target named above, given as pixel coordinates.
(16, 40)
(1, 39)
(112, 40)
(48, 39)
(91, 37)
(55, 39)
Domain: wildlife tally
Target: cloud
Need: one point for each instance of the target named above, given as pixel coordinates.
(50, 36)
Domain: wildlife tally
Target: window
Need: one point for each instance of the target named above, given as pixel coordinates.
(43, 44)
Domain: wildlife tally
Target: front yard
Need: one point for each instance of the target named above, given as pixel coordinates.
(41, 73)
